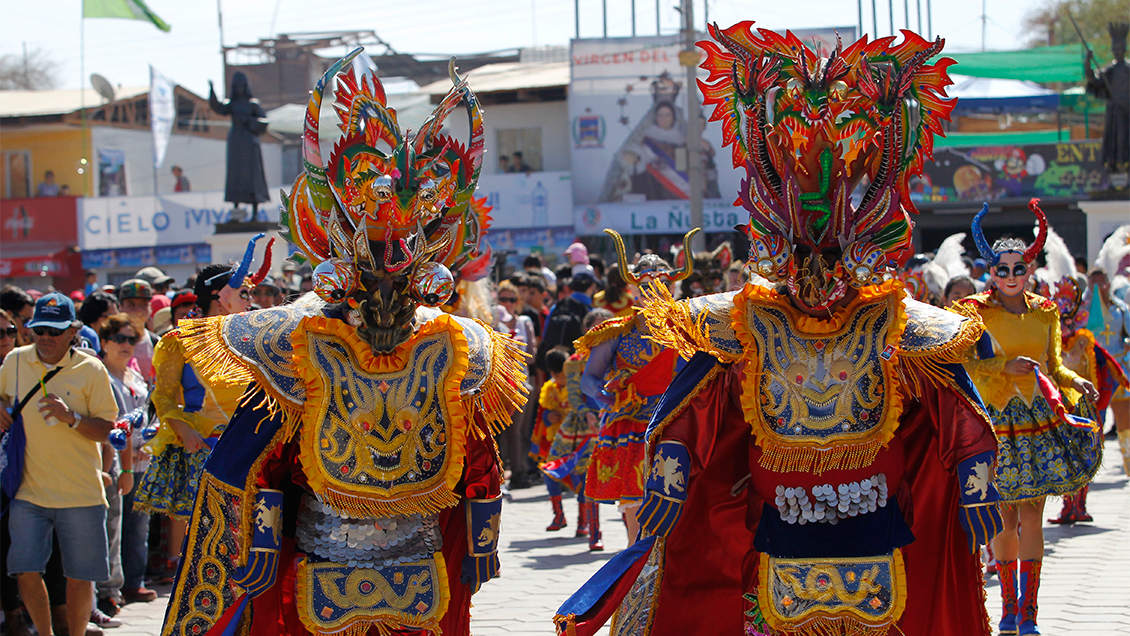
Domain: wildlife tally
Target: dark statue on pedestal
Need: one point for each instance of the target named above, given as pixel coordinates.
(246, 182)
(1112, 83)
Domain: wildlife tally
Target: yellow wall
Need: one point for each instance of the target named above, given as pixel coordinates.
(55, 147)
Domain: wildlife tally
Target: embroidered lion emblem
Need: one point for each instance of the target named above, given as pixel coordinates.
(978, 481)
(668, 469)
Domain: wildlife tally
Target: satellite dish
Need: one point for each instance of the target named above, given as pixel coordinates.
(103, 86)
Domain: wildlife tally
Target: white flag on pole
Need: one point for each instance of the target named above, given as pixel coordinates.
(162, 114)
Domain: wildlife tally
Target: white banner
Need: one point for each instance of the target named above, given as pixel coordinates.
(162, 114)
(528, 199)
(145, 221)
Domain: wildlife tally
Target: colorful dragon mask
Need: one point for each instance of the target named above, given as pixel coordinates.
(808, 130)
(390, 222)
(651, 267)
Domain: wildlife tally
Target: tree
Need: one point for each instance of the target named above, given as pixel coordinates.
(32, 71)
(1049, 24)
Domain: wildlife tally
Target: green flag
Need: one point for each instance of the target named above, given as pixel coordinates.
(124, 9)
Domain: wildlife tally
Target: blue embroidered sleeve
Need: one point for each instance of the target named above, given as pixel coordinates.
(979, 515)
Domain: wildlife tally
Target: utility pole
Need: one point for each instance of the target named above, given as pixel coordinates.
(577, 18)
(859, 5)
(919, 14)
(984, 23)
(689, 59)
(633, 18)
(874, 21)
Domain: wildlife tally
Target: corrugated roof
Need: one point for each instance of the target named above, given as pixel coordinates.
(508, 77)
(34, 103)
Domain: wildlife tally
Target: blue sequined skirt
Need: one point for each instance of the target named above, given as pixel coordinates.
(1039, 455)
(169, 485)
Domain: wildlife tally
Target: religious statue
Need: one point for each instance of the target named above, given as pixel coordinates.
(1112, 83)
(245, 182)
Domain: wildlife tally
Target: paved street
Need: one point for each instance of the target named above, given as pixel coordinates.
(1086, 588)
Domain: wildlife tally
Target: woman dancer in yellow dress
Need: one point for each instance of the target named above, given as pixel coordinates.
(1042, 450)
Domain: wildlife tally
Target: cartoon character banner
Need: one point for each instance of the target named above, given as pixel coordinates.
(982, 173)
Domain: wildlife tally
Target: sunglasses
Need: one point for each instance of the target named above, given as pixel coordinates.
(1002, 271)
(48, 331)
(121, 338)
(9, 332)
(507, 299)
(244, 294)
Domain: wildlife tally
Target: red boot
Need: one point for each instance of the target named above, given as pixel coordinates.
(1081, 506)
(559, 521)
(1067, 513)
(596, 543)
(582, 519)
(1010, 598)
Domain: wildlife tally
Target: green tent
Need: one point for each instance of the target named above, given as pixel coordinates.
(1044, 64)
(964, 140)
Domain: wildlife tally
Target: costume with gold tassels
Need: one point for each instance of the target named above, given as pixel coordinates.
(626, 374)
(822, 464)
(357, 488)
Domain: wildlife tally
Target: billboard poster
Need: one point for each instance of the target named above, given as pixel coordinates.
(628, 123)
(627, 111)
(985, 173)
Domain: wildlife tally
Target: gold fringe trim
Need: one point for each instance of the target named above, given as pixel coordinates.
(210, 356)
(565, 624)
(214, 362)
(369, 501)
(957, 350)
(361, 625)
(605, 331)
(504, 390)
(782, 454)
(672, 326)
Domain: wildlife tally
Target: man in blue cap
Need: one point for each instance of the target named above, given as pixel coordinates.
(67, 408)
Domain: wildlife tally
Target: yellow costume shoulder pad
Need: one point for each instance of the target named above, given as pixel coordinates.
(605, 331)
(690, 326)
(252, 346)
(936, 333)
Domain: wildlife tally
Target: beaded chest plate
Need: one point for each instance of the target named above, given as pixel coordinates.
(383, 436)
(829, 392)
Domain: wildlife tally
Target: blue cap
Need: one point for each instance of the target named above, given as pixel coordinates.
(979, 262)
(53, 310)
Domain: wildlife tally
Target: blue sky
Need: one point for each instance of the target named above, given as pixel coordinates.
(121, 50)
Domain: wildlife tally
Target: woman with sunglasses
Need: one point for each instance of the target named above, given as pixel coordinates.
(192, 414)
(1027, 390)
(126, 527)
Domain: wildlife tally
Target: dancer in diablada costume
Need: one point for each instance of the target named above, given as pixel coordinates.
(1044, 450)
(822, 464)
(357, 488)
(1080, 351)
(626, 374)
